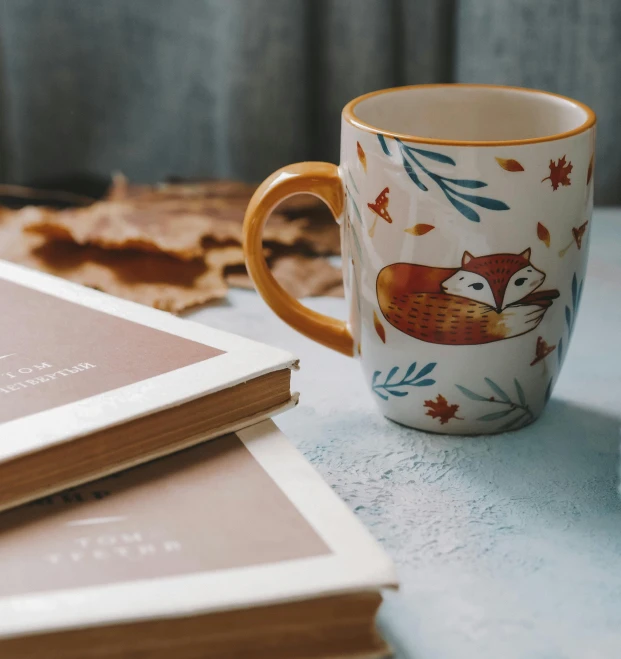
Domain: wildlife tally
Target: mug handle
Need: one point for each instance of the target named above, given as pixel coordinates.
(322, 180)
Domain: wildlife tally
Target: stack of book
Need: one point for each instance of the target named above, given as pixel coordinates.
(125, 533)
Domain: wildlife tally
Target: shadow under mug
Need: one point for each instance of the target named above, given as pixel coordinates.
(465, 213)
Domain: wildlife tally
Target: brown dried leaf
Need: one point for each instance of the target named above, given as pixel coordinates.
(201, 194)
(543, 234)
(419, 229)
(510, 165)
(379, 328)
(153, 279)
(301, 276)
(158, 227)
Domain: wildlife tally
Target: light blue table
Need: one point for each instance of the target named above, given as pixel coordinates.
(508, 547)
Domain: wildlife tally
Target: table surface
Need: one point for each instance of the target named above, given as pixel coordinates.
(507, 547)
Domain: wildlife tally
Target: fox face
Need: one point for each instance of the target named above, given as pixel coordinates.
(522, 283)
(470, 285)
(497, 280)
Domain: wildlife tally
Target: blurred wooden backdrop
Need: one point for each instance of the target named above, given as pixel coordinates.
(237, 88)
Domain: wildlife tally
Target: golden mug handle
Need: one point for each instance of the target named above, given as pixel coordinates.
(322, 180)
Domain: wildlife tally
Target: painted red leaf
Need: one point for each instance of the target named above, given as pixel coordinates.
(441, 410)
(542, 350)
(559, 173)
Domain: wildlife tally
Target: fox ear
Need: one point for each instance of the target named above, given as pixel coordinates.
(466, 258)
(526, 254)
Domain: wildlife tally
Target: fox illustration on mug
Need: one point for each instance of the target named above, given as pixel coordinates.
(488, 298)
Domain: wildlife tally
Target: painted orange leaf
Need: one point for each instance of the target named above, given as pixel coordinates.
(559, 173)
(379, 328)
(510, 165)
(542, 350)
(419, 229)
(543, 234)
(441, 410)
(590, 170)
(362, 156)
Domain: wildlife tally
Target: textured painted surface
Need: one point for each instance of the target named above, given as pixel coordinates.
(509, 546)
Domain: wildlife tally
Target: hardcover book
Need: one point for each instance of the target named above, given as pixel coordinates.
(90, 384)
(232, 548)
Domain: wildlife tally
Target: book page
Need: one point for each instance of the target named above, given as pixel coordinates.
(54, 352)
(211, 507)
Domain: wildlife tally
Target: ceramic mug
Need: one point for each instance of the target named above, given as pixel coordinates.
(465, 215)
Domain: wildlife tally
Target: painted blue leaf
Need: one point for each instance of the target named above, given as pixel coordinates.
(466, 211)
(470, 394)
(412, 174)
(580, 291)
(520, 392)
(426, 370)
(391, 374)
(356, 208)
(351, 178)
(433, 155)
(548, 391)
(568, 317)
(382, 141)
(574, 291)
(375, 376)
(358, 248)
(424, 383)
(512, 423)
(410, 371)
(497, 390)
(484, 202)
(380, 394)
(392, 392)
(466, 183)
(559, 350)
(495, 415)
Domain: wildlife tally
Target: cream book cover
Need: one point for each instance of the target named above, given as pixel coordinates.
(76, 362)
(240, 522)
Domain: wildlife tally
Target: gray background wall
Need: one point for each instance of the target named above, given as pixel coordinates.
(237, 88)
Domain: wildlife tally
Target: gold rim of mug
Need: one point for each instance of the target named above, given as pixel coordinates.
(349, 115)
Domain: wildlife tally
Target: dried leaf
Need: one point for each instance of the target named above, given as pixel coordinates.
(559, 173)
(419, 229)
(301, 276)
(379, 328)
(200, 195)
(543, 234)
(173, 231)
(590, 170)
(542, 350)
(362, 157)
(441, 410)
(153, 279)
(510, 165)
